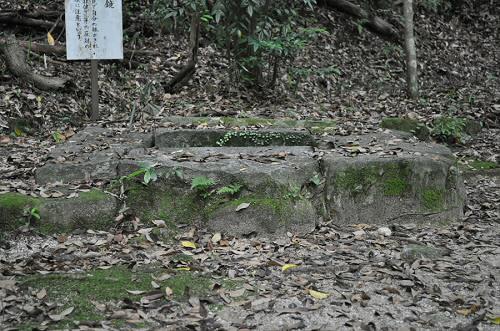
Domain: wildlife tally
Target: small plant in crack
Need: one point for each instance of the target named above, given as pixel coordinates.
(231, 189)
(202, 184)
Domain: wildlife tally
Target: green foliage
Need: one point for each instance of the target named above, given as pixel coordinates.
(231, 189)
(294, 193)
(35, 213)
(174, 16)
(148, 171)
(202, 183)
(254, 138)
(316, 180)
(449, 129)
(58, 137)
(259, 36)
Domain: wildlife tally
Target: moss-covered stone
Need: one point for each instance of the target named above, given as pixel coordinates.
(395, 187)
(433, 199)
(165, 202)
(412, 252)
(407, 125)
(356, 180)
(93, 195)
(246, 121)
(392, 178)
(17, 201)
(315, 126)
(13, 208)
(396, 179)
(278, 205)
(90, 210)
(260, 138)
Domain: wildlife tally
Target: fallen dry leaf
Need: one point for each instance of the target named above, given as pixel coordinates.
(318, 295)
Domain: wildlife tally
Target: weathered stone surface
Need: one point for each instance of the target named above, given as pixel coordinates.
(384, 177)
(90, 154)
(269, 177)
(315, 126)
(92, 210)
(167, 138)
(101, 165)
(413, 252)
(420, 130)
(383, 189)
(264, 216)
(259, 169)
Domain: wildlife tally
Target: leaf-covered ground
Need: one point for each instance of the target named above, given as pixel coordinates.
(371, 278)
(362, 277)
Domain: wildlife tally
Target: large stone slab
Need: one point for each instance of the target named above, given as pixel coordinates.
(384, 177)
(273, 182)
(418, 183)
(90, 154)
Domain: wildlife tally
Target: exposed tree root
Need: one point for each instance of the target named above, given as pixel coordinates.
(16, 63)
(61, 50)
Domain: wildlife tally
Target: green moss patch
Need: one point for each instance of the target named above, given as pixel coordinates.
(356, 180)
(17, 201)
(164, 203)
(84, 290)
(13, 207)
(433, 199)
(259, 138)
(185, 283)
(396, 179)
(395, 187)
(393, 179)
(482, 165)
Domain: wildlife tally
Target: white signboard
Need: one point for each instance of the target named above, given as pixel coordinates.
(94, 29)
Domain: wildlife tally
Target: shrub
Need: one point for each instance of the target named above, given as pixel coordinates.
(449, 129)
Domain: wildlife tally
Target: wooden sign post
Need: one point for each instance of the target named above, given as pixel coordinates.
(94, 31)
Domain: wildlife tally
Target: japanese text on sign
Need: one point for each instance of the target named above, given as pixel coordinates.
(94, 29)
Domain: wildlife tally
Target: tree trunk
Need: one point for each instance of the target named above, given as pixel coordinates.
(374, 24)
(183, 76)
(411, 55)
(16, 63)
